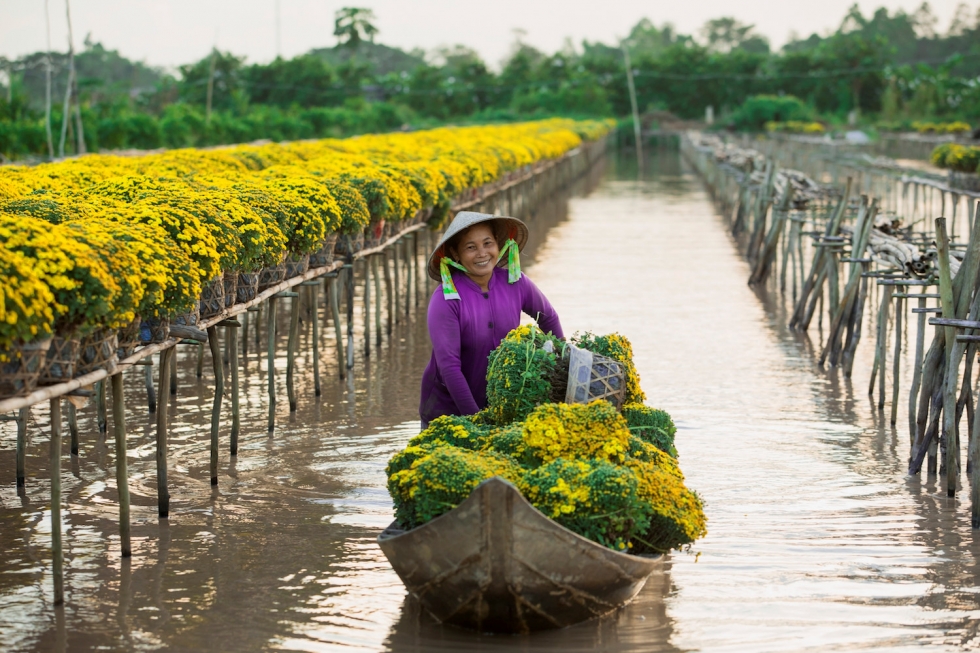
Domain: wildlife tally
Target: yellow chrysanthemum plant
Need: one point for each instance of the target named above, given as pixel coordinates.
(611, 477)
(93, 241)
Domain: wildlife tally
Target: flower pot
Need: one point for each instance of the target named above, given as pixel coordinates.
(128, 338)
(98, 352)
(212, 298)
(20, 372)
(348, 245)
(154, 330)
(230, 281)
(374, 233)
(190, 318)
(297, 265)
(248, 287)
(324, 256)
(60, 361)
(272, 277)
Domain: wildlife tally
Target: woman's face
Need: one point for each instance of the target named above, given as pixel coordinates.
(478, 252)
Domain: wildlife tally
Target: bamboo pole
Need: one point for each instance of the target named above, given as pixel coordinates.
(897, 361)
(396, 255)
(22, 416)
(954, 350)
(315, 310)
(73, 428)
(200, 362)
(367, 306)
(271, 361)
(151, 398)
(173, 375)
(219, 390)
(122, 473)
(881, 348)
(855, 325)
(377, 299)
(389, 294)
(291, 346)
(233, 364)
(416, 264)
(163, 495)
(349, 283)
(338, 331)
(408, 276)
(57, 561)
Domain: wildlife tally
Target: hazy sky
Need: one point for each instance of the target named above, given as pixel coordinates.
(171, 32)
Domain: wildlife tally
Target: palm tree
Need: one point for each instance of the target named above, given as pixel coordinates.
(353, 25)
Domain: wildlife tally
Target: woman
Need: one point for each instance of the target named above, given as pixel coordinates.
(476, 305)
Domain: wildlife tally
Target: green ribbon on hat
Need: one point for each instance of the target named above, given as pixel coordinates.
(448, 287)
(510, 249)
(513, 253)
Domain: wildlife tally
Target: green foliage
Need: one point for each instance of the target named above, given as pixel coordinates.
(758, 110)
(652, 425)
(618, 348)
(438, 480)
(596, 499)
(953, 156)
(519, 374)
(578, 464)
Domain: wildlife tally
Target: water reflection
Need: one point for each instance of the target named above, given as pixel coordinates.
(817, 541)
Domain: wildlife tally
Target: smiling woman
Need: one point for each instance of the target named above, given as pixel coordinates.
(477, 304)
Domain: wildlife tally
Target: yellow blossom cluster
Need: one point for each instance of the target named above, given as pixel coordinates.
(93, 241)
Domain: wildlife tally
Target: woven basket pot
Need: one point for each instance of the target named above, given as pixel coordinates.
(19, 375)
(230, 281)
(324, 256)
(154, 330)
(374, 233)
(212, 298)
(348, 245)
(128, 338)
(272, 277)
(248, 287)
(60, 362)
(190, 318)
(98, 352)
(297, 265)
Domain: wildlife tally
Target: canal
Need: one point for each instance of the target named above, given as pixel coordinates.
(817, 540)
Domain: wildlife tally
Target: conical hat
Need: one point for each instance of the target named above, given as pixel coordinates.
(463, 221)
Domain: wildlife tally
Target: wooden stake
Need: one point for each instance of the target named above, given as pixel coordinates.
(338, 331)
(22, 417)
(122, 473)
(100, 405)
(367, 306)
(314, 299)
(270, 326)
(73, 428)
(952, 357)
(219, 390)
(377, 299)
(389, 294)
(173, 373)
(395, 250)
(163, 495)
(291, 352)
(200, 362)
(349, 283)
(233, 364)
(57, 567)
(151, 398)
(896, 365)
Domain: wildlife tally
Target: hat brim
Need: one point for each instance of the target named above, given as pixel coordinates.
(516, 229)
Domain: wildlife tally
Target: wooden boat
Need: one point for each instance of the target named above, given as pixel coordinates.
(496, 564)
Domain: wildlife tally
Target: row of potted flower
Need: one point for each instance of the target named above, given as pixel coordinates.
(102, 251)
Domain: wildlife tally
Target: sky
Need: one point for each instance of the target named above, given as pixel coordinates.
(168, 33)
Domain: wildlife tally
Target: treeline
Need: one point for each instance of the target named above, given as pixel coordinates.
(894, 66)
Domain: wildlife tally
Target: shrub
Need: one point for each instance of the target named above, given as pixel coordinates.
(757, 110)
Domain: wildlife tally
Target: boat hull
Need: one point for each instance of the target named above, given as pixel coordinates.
(496, 564)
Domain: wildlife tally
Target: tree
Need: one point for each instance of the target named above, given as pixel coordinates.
(352, 25)
(726, 34)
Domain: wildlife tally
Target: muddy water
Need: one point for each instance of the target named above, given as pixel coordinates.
(817, 540)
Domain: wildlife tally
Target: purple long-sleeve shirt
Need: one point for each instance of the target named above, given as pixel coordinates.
(464, 331)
